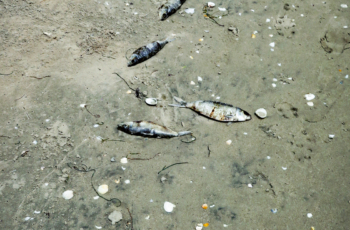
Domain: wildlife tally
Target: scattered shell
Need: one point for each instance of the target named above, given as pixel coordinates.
(28, 218)
(273, 85)
(96, 125)
(115, 216)
(200, 79)
(250, 186)
(272, 44)
(268, 20)
(204, 206)
(253, 36)
(201, 39)
(124, 160)
(127, 181)
(274, 210)
(98, 227)
(261, 113)
(206, 225)
(211, 4)
(212, 206)
(67, 194)
(222, 9)
(284, 168)
(199, 226)
(344, 6)
(270, 35)
(310, 103)
(279, 64)
(192, 83)
(36, 212)
(128, 92)
(96, 197)
(169, 207)
(102, 189)
(309, 96)
(191, 57)
(151, 101)
(228, 142)
(331, 136)
(309, 215)
(35, 142)
(189, 10)
(225, 225)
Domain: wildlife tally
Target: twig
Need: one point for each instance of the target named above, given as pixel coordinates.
(132, 223)
(5, 74)
(209, 151)
(137, 90)
(95, 115)
(20, 97)
(39, 77)
(4, 136)
(143, 159)
(125, 82)
(107, 139)
(166, 167)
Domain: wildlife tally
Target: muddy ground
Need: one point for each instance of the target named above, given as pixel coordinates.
(57, 55)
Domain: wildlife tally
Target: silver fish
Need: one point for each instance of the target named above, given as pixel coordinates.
(145, 52)
(169, 8)
(150, 129)
(216, 110)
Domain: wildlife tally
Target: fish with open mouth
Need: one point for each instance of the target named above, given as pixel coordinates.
(169, 8)
(149, 129)
(145, 52)
(215, 110)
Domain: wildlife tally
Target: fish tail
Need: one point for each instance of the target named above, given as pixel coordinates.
(183, 133)
(182, 103)
(170, 39)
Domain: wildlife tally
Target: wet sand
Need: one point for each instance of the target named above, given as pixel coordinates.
(61, 54)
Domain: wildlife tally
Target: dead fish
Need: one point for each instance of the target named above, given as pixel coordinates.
(216, 110)
(148, 51)
(169, 8)
(150, 129)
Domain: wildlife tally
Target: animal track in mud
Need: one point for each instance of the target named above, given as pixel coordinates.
(336, 41)
(287, 110)
(284, 26)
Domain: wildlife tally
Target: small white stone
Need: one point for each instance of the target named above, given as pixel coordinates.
(250, 186)
(345, 27)
(272, 44)
(213, 95)
(169, 207)
(192, 83)
(255, 32)
(99, 138)
(268, 20)
(331, 136)
(96, 125)
(346, 76)
(284, 168)
(310, 103)
(272, 49)
(124, 160)
(212, 206)
(302, 15)
(239, 14)
(28, 218)
(47, 120)
(273, 85)
(245, 133)
(217, 98)
(67, 194)
(268, 157)
(279, 64)
(225, 225)
(344, 6)
(200, 79)
(270, 35)
(135, 13)
(96, 197)
(199, 226)
(127, 181)
(35, 142)
(46, 184)
(274, 79)
(309, 215)
(309, 96)
(147, 217)
(102, 189)
(335, 16)
(128, 92)
(269, 28)
(228, 142)
(204, 167)
(197, 51)
(151, 200)
(123, 168)
(252, 10)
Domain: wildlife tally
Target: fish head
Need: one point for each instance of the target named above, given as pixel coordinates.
(133, 60)
(163, 13)
(125, 126)
(243, 115)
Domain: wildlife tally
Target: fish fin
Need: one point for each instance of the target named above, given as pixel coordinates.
(177, 105)
(170, 39)
(183, 133)
(182, 103)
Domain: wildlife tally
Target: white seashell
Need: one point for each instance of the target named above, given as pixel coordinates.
(124, 160)
(309, 215)
(127, 181)
(309, 96)
(284, 168)
(102, 189)
(147, 217)
(344, 6)
(228, 142)
(189, 10)
(331, 136)
(199, 226)
(273, 85)
(128, 92)
(98, 227)
(96, 197)
(151, 101)
(250, 186)
(272, 44)
(82, 105)
(310, 103)
(211, 4)
(268, 20)
(222, 9)
(169, 207)
(200, 79)
(36, 212)
(67, 194)
(192, 83)
(261, 113)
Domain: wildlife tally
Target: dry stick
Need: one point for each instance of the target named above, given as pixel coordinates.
(5, 74)
(4, 136)
(39, 77)
(209, 151)
(95, 115)
(20, 97)
(166, 167)
(132, 223)
(135, 90)
(143, 159)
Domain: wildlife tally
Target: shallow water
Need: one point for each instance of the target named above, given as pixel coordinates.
(285, 162)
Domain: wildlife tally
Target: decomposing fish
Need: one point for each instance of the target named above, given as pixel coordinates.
(169, 8)
(145, 52)
(216, 110)
(150, 129)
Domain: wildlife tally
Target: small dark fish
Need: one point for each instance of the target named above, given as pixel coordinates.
(148, 51)
(215, 110)
(150, 129)
(169, 8)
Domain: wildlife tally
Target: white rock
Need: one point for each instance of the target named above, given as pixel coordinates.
(115, 217)
(270, 35)
(102, 189)
(309, 96)
(225, 225)
(261, 113)
(309, 215)
(189, 10)
(310, 103)
(28, 218)
(272, 44)
(35, 142)
(279, 64)
(147, 217)
(228, 142)
(268, 157)
(200, 79)
(67, 194)
(211, 4)
(124, 160)
(344, 6)
(169, 207)
(331, 136)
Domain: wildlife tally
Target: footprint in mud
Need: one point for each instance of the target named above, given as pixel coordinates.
(287, 110)
(335, 41)
(284, 26)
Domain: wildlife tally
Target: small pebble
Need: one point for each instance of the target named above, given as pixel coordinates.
(228, 142)
(331, 136)
(169, 207)
(273, 85)
(67, 194)
(284, 168)
(272, 44)
(310, 103)
(127, 181)
(124, 160)
(250, 186)
(112, 159)
(309, 215)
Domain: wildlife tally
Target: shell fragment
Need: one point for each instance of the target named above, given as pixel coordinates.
(261, 113)
(151, 101)
(67, 194)
(169, 207)
(102, 189)
(309, 96)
